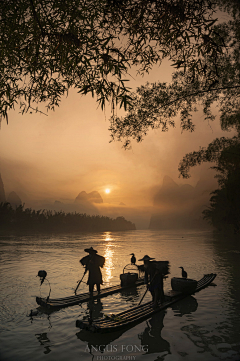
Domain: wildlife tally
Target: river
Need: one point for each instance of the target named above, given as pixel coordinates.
(203, 327)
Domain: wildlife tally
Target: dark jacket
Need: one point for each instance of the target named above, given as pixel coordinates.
(93, 262)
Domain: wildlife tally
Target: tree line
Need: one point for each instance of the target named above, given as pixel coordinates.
(30, 220)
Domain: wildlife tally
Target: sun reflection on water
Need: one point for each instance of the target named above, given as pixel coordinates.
(109, 252)
(107, 237)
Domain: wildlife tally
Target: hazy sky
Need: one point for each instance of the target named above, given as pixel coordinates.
(57, 156)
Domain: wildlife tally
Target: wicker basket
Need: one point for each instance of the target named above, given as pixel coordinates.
(185, 285)
(128, 279)
(162, 266)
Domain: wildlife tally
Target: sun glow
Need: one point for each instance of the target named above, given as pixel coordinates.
(107, 190)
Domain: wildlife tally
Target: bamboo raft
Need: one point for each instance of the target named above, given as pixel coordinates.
(57, 303)
(138, 314)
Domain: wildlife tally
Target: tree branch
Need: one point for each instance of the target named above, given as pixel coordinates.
(36, 17)
(201, 92)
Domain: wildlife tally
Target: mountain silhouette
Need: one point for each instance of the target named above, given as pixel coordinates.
(173, 194)
(93, 197)
(2, 192)
(14, 199)
(179, 206)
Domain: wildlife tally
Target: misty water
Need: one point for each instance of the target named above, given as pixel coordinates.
(205, 326)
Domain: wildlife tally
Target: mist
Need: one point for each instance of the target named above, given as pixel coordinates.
(54, 157)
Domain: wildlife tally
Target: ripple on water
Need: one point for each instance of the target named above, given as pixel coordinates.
(199, 332)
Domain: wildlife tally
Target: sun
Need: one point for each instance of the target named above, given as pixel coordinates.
(107, 190)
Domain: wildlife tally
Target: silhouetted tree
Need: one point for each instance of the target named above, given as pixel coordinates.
(205, 77)
(157, 105)
(49, 46)
(224, 210)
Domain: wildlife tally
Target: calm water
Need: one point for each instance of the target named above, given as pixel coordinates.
(204, 327)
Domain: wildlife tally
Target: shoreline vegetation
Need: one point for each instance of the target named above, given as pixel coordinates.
(20, 219)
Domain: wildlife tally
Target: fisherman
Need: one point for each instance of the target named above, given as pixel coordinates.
(156, 288)
(92, 264)
(154, 273)
(147, 269)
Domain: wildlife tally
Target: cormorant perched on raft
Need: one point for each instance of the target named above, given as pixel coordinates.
(133, 258)
(184, 273)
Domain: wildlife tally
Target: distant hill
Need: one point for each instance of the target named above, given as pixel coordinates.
(93, 197)
(173, 194)
(2, 191)
(180, 206)
(14, 199)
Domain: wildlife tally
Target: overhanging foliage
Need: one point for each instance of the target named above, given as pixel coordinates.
(50, 46)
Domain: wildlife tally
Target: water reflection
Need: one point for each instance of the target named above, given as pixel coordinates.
(96, 340)
(93, 311)
(95, 307)
(227, 260)
(185, 307)
(214, 329)
(108, 266)
(107, 237)
(130, 296)
(47, 311)
(151, 336)
(208, 342)
(130, 293)
(44, 341)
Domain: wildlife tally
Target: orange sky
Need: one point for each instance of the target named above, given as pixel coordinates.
(57, 156)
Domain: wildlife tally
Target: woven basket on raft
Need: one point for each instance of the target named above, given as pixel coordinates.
(128, 278)
(162, 266)
(185, 285)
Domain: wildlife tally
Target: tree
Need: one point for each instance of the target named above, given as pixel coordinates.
(49, 46)
(224, 210)
(217, 82)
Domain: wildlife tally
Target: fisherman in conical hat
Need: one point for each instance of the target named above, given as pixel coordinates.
(147, 267)
(146, 258)
(155, 273)
(92, 264)
(156, 287)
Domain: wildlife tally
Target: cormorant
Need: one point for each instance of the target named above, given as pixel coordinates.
(133, 258)
(184, 273)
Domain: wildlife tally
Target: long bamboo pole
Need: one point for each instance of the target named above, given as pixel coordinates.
(80, 282)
